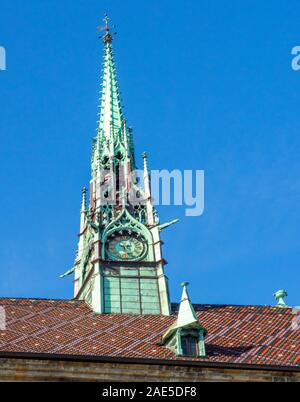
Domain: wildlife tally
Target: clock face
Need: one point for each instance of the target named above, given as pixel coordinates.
(126, 247)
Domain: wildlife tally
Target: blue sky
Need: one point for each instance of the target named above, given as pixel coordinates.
(206, 85)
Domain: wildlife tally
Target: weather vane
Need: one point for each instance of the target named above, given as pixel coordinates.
(107, 37)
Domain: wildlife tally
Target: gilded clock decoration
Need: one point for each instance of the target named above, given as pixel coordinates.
(126, 247)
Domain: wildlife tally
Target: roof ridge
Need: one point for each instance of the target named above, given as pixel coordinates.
(41, 299)
(174, 305)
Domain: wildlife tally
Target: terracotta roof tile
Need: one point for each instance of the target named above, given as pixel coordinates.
(236, 334)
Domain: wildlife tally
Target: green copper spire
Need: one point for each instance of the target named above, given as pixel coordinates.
(119, 266)
(111, 116)
(114, 137)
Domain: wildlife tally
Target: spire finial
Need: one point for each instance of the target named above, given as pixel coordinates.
(279, 296)
(185, 295)
(107, 38)
(186, 313)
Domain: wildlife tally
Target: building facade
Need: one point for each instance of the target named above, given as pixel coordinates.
(121, 324)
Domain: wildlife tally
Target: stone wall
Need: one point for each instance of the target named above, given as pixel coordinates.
(12, 369)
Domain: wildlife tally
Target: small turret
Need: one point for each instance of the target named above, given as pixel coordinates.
(186, 337)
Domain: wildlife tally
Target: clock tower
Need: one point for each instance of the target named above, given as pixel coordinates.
(119, 266)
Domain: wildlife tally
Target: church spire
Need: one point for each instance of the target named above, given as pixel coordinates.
(111, 115)
(119, 267)
(114, 137)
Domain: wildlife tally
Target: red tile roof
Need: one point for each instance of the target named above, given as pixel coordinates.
(236, 334)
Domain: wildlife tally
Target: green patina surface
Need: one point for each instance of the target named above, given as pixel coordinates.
(130, 292)
(188, 326)
(280, 296)
(118, 266)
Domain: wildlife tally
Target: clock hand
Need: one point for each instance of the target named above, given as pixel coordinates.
(126, 250)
